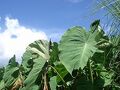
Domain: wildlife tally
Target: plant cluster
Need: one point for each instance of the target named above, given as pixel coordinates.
(82, 60)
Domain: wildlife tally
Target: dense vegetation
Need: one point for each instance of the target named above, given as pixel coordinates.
(82, 60)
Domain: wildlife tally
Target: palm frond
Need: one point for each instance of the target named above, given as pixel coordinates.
(112, 8)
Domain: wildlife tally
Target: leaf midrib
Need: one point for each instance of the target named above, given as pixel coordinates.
(83, 51)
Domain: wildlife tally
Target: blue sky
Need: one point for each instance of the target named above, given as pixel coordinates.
(49, 14)
(29, 20)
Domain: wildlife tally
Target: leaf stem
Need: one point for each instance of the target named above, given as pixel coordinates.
(90, 72)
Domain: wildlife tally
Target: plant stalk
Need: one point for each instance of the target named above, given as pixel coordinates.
(90, 72)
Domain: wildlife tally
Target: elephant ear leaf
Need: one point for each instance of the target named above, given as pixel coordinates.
(76, 47)
(38, 54)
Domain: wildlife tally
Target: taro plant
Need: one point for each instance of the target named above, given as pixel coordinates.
(81, 60)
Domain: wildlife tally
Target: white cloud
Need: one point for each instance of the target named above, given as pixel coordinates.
(16, 38)
(74, 1)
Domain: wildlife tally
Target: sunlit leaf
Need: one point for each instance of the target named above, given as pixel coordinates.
(76, 47)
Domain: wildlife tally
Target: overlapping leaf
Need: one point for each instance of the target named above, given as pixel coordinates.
(11, 72)
(76, 47)
(35, 57)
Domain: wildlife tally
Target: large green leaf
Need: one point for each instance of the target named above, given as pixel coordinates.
(62, 72)
(76, 47)
(11, 72)
(35, 72)
(35, 57)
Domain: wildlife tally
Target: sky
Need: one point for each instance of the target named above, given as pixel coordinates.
(24, 21)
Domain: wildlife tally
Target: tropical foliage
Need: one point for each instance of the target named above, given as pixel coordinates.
(82, 60)
(112, 8)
